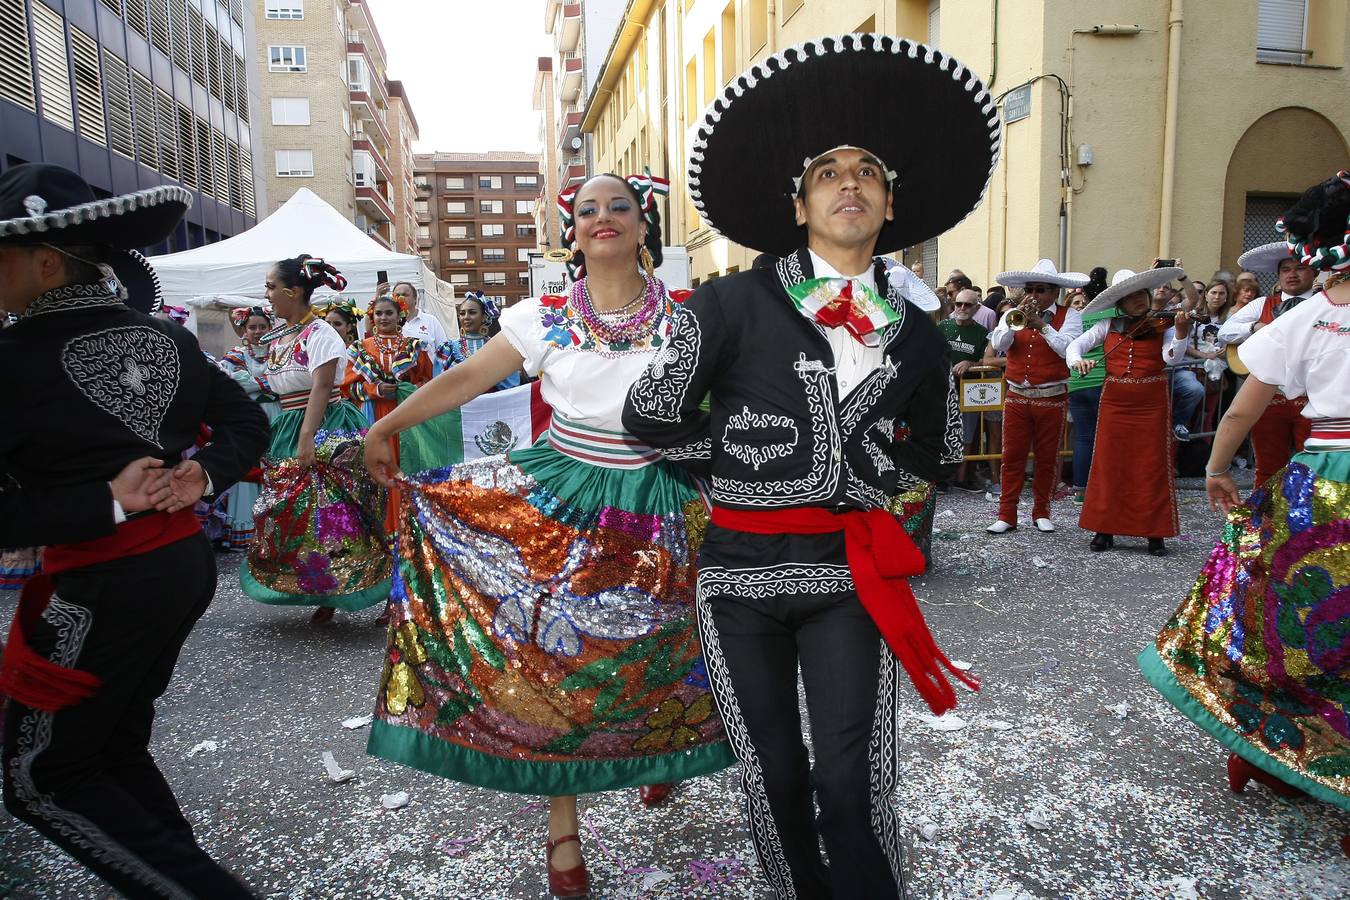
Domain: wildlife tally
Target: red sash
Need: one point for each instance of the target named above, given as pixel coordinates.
(27, 677)
(880, 556)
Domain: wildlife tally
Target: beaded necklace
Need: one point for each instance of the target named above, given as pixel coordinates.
(634, 328)
(278, 360)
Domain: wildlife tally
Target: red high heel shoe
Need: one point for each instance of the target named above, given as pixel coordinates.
(321, 615)
(655, 794)
(573, 882)
(1240, 772)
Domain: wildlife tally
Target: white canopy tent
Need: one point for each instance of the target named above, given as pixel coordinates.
(303, 224)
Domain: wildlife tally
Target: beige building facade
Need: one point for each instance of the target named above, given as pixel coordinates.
(329, 120)
(545, 103)
(1174, 128)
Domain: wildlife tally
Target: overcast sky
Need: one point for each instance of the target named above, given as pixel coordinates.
(468, 68)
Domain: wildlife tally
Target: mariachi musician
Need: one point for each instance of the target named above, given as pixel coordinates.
(1035, 335)
(1282, 429)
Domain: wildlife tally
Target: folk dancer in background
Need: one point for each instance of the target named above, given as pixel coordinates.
(1283, 429)
(127, 571)
(1035, 336)
(809, 365)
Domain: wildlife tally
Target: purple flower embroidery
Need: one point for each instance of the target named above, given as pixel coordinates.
(337, 522)
(313, 577)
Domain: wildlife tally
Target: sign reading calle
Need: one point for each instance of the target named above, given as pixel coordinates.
(1017, 105)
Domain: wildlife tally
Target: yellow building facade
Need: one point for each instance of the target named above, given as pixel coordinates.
(1173, 128)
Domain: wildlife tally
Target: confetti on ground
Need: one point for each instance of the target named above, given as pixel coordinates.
(203, 747)
(1120, 710)
(356, 722)
(396, 800)
(946, 722)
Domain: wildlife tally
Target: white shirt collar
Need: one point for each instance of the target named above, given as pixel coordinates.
(822, 269)
(1312, 290)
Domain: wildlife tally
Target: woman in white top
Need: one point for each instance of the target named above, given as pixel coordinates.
(318, 539)
(1258, 654)
(543, 637)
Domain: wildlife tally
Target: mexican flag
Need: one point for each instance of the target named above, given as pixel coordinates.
(488, 425)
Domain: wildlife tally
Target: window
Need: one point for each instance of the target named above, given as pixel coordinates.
(182, 47)
(295, 163)
(226, 60)
(166, 131)
(16, 69)
(1281, 31)
(524, 277)
(494, 254)
(424, 232)
(204, 159)
(358, 75)
(88, 87)
(490, 182)
(241, 88)
(159, 25)
(186, 141)
(421, 207)
(494, 278)
(285, 9)
(120, 134)
(490, 207)
(290, 110)
(197, 44)
(346, 119)
(523, 254)
(524, 207)
(285, 59)
(363, 169)
(934, 23)
(454, 184)
(458, 257)
(494, 230)
(525, 231)
(457, 232)
(53, 72)
(457, 207)
(459, 277)
(527, 181)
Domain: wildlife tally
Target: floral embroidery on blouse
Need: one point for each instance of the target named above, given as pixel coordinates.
(565, 327)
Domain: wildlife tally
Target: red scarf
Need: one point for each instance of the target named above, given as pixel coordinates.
(34, 681)
(880, 556)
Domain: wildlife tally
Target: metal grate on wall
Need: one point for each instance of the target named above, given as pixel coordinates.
(159, 25)
(246, 177)
(167, 132)
(198, 45)
(182, 47)
(16, 62)
(121, 135)
(137, 18)
(213, 64)
(221, 165)
(226, 63)
(88, 87)
(143, 119)
(204, 165)
(241, 88)
(114, 5)
(186, 145)
(53, 72)
(236, 176)
(1258, 227)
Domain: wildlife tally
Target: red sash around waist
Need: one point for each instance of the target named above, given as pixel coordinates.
(880, 556)
(27, 677)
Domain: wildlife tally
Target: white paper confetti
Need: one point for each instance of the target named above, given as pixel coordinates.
(203, 747)
(945, 722)
(926, 827)
(396, 800)
(356, 722)
(1038, 562)
(1120, 710)
(961, 664)
(1183, 888)
(653, 880)
(336, 773)
(1039, 819)
(998, 725)
(1011, 893)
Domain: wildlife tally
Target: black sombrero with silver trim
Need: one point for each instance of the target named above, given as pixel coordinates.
(46, 204)
(922, 113)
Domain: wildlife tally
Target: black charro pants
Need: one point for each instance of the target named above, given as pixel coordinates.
(84, 776)
(761, 618)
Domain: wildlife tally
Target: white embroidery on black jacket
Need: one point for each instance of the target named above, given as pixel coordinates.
(131, 372)
(660, 392)
(759, 428)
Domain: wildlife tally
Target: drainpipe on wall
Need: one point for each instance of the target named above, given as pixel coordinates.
(1169, 162)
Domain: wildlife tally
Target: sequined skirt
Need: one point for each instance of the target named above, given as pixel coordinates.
(915, 509)
(1258, 654)
(318, 533)
(543, 638)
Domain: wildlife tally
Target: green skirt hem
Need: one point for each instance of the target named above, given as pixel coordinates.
(1157, 674)
(419, 750)
(362, 599)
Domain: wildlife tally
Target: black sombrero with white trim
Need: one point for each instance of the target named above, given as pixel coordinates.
(46, 204)
(889, 96)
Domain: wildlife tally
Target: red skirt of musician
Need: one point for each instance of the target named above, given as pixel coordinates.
(1131, 487)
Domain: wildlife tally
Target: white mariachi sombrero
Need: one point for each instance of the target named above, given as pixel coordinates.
(1044, 272)
(1126, 282)
(1265, 259)
(911, 286)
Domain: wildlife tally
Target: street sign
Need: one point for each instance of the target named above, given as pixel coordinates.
(1017, 105)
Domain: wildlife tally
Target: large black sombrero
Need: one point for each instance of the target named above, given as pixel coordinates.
(921, 112)
(46, 204)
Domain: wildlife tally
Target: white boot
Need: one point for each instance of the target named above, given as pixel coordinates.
(1001, 527)
(1045, 525)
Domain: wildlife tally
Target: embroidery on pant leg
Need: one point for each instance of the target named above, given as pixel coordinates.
(763, 829)
(72, 623)
(953, 449)
(882, 760)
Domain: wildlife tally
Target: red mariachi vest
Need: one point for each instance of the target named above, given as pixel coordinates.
(1268, 308)
(1032, 359)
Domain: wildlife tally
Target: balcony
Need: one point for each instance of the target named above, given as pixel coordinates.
(374, 203)
(365, 110)
(569, 28)
(575, 173)
(571, 79)
(423, 187)
(570, 132)
(363, 144)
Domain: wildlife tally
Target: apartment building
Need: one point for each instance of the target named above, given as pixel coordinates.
(1181, 133)
(546, 210)
(477, 227)
(137, 93)
(331, 123)
(403, 131)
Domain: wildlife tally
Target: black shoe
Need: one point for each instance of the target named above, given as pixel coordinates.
(1102, 541)
(1156, 547)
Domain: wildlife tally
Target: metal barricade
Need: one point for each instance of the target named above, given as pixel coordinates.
(984, 390)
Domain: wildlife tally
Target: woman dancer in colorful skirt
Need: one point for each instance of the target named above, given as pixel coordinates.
(477, 316)
(543, 638)
(247, 364)
(1258, 654)
(319, 540)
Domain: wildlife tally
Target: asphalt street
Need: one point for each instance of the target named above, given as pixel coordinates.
(1069, 778)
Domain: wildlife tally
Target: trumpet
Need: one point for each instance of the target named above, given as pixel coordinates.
(1017, 316)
